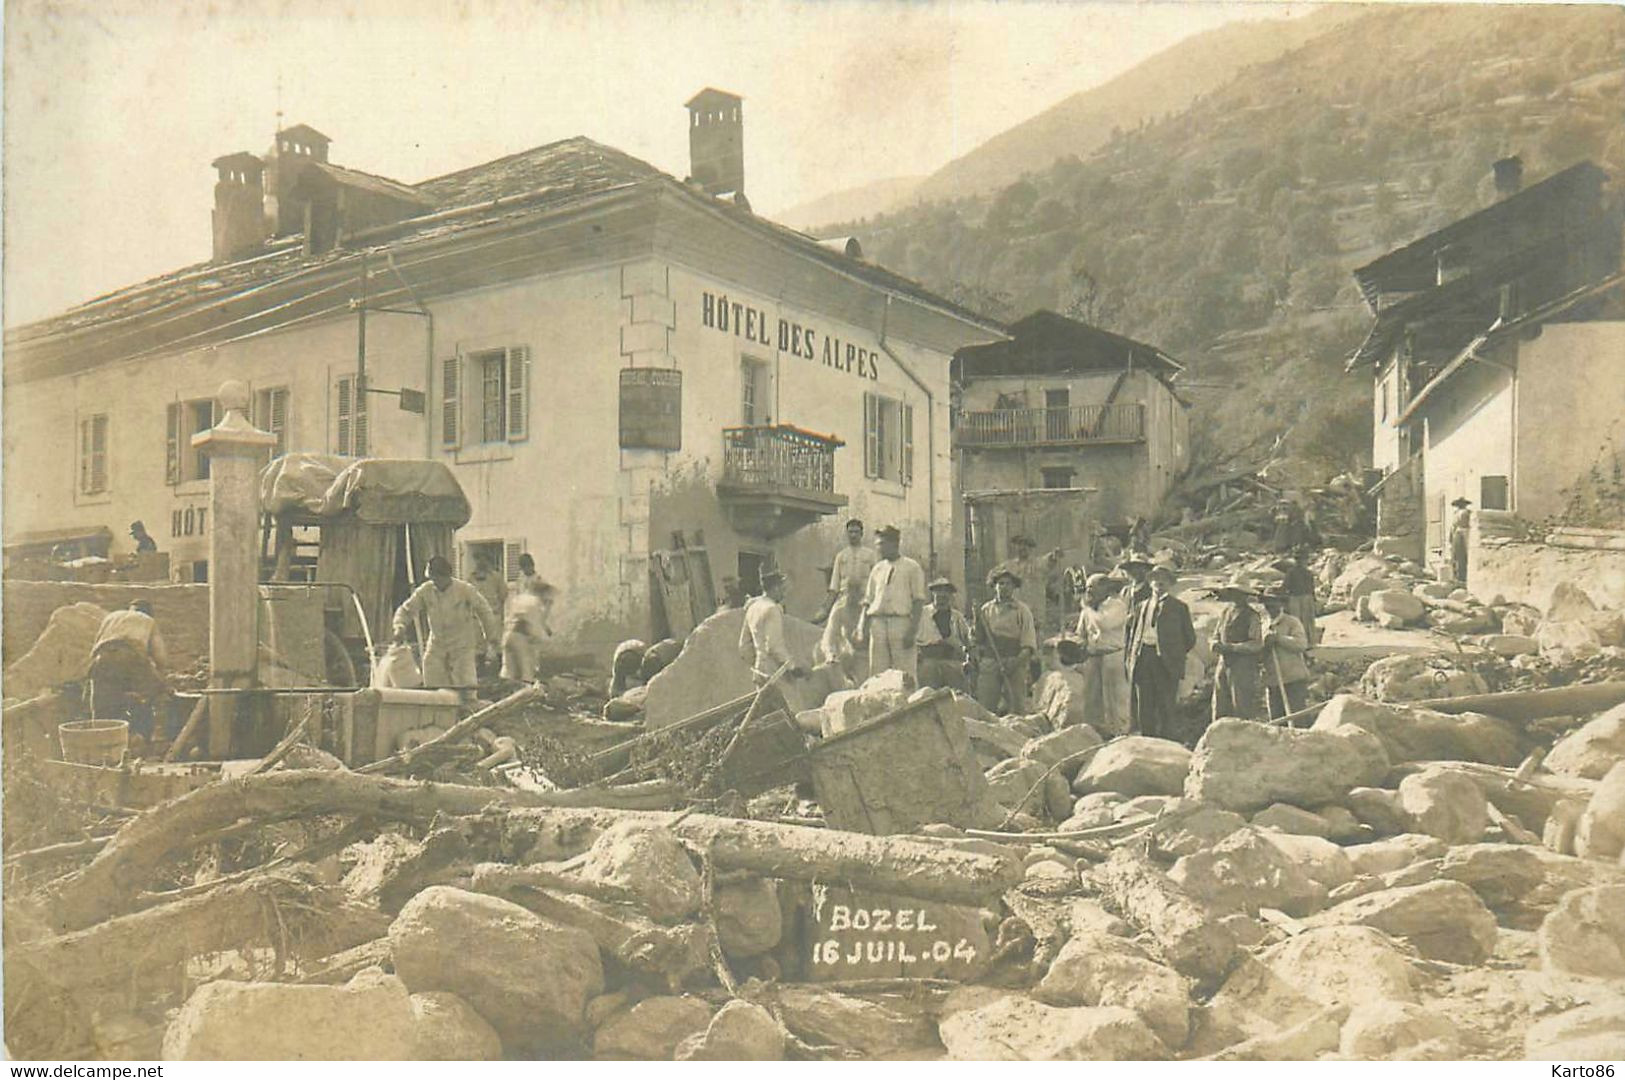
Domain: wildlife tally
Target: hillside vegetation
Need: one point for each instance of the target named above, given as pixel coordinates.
(1226, 233)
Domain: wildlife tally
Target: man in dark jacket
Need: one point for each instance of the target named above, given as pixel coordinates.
(1162, 636)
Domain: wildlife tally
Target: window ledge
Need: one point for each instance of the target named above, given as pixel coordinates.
(190, 487)
(475, 455)
(100, 498)
(894, 489)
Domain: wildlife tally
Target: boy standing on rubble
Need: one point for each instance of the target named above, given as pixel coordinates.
(459, 617)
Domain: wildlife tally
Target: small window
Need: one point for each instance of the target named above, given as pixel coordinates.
(498, 398)
(888, 439)
(350, 431)
(271, 414)
(755, 396)
(93, 454)
(1492, 493)
(183, 462)
(1058, 477)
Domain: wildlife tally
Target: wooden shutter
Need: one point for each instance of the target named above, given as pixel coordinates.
(511, 550)
(84, 455)
(279, 419)
(905, 465)
(346, 389)
(871, 435)
(172, 445)
(518, 393)
(451, 380)
(362, 442)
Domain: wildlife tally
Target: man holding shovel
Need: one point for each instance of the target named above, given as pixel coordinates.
(1006, 642)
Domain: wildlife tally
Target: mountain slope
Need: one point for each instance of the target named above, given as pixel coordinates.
(852, 204)
(1165, 83)
(1226, 234)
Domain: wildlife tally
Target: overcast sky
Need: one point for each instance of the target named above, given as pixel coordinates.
(113, 109)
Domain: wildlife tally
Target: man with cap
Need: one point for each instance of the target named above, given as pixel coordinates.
(144, 543)
(1461, 525)
(762, 644)
(848, 578)
(1135, 566)
(1286, 674)
(944, 640)
(126, 666)
(1300, 595)
(1238, 641)
(459, 617)
(1029, 571)
(1101, 618)
(1162, 635)
(893, 601)
(1006, 643)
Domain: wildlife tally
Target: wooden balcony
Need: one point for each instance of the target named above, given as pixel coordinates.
(1075, 425)
(777, 478)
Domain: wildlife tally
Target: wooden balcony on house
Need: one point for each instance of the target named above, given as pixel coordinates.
(777, 478)
(1074, 425)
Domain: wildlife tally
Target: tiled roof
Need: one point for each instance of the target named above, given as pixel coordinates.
(544, 178)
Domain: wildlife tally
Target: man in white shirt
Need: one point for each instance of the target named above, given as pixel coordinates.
(762, 644)
(126, 667)
(458, 617)
(847, 580)
(893, 601)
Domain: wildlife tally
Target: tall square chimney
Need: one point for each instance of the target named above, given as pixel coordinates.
(716, 141)
(239, 206)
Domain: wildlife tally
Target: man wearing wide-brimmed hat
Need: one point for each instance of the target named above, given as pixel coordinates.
(1162, 636)
(944, 640)
(1461, 525)
(1286, 674)
(1006, 642)
(1135, 566)
(1238, 640)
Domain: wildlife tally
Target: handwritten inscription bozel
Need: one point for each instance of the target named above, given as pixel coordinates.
(868, 936)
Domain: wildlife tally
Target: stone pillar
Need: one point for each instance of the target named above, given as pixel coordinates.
(235, 448)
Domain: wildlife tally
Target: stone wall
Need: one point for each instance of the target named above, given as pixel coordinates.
(1400, 515)
(1526, 572)
(182, 612)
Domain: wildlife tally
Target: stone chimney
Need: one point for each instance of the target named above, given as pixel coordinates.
(295, 148)
(716, 142)
(1508, 176)
(239, 206)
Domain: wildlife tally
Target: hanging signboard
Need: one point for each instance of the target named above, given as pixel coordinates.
(651, 409)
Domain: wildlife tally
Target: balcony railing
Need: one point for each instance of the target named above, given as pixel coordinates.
(1073, 425)
(778, 456)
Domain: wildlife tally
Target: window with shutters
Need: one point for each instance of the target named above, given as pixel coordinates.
(184, 462)
(755, 392)
(511, 550)
(271, 414)
(93, 454)
(496, 404)
(888, 439)
(350, 430)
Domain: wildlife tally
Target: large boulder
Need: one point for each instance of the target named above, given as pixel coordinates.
(1058, 746)
(993, 740)
(880, 694)
(528, 977)
(749, 919)
(827, 1018)
(448, 1029)
(1016, 1028)
(1104, 969)
(1415, 734)
(1291, 819)
(1196, 831)
(1136, 765)
(1246, 872)
(648, 863)
(1439, 801)
(1398, 1031)
(1522, 882)
(1418, 678)
(1592, 1032)
(1567, 642)
(1361, 578)
(1377, 809)
(1442, 920)
(1396, 607)
(369, 1020)
(1601, 830)
(61, 653)
(1508, 645)
(1592, 749)
(1244, 765)
(1395, 853)
(1304, 1041)
(1319, 858)
(740, 1031)
(709, 670)
(1031, 788)
(651, 1029)
(1585, 934)
(1295, 980)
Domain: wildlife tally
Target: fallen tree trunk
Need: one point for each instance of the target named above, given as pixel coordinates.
(112, 881)
(341, 967)
(908, 865)
(286, 911)
(458, 731)
(1191, 937)
(1577, 700)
